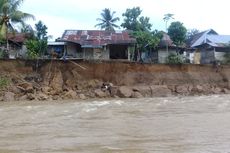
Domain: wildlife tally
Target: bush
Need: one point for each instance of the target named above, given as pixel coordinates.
(36, 48)
(174, 59)
(4, 54)
(4, 82)
(32, 49)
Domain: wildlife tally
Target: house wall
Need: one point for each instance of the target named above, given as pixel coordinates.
(163, 54)
(101, 53)
(191, 57)
(71, 50)
(130, 52)
(22, 51)
(219, 56)
(150, 56)
(196, 57)
(88, 53)
(96, 53)
(207, 56)
(74, 50)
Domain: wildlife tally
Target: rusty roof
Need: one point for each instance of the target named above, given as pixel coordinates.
(97, 38)
(17, 37)
(166, 40)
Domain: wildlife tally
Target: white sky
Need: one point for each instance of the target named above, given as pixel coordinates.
(59, 15)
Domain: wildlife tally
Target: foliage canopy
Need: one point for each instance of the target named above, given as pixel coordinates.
(177, 33)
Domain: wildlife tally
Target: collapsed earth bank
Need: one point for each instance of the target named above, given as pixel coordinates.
(58, 80)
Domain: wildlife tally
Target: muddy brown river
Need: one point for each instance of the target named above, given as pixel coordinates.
(151, 125)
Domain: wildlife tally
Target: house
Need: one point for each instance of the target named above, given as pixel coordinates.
(94, 44)
(16, 44)
(208, 46)
(56, 47)
(164, 49)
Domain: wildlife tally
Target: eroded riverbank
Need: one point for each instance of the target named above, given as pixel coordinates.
(61, 80)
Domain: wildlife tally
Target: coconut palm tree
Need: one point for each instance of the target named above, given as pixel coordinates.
(166, 18)
(107, 20)
(10, 15)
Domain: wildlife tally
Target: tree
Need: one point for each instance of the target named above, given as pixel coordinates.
(190, 33)
(146, 41)
(10, 15)
(38, 45)
(133, 21)
(177, 33)
(41, 31)
(166, 18)
(107, 20)
(28, 30)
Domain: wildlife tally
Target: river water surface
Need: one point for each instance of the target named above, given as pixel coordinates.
(152, 125)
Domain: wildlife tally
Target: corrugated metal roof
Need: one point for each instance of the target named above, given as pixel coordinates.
(211, 38)
(54, 43)
(166, 40)
(97, 37)
(201, 38)
(219, 39)
(17, 37)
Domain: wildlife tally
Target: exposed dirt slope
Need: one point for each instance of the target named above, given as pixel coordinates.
(72, 79)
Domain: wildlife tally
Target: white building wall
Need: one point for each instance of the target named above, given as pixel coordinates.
(219, 56)
(191, 57)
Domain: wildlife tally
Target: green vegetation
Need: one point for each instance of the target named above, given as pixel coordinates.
(177, 33)
(190, 33)
(139, 26)
(37, 46)
(107, 20)
(9, 15)
(3, 54)
(133, 21)
(141, 30)
(4, 82)
(174, 59)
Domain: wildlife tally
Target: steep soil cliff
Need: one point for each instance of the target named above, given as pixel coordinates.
(30, 80)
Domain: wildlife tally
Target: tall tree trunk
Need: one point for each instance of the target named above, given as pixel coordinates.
(7, 39)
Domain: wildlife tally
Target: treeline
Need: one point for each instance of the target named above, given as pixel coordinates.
(147, 39)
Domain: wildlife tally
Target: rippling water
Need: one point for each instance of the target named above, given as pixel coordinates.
(152, 125)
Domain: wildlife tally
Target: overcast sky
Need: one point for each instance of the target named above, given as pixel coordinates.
(59, 15)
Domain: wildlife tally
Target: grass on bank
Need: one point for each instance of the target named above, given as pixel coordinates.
(4, 82)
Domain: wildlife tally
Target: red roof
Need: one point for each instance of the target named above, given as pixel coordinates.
(94, 38)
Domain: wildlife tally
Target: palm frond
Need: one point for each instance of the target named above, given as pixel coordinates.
(107, 20)
(15, 4)
(115, 19)
(102, 20)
